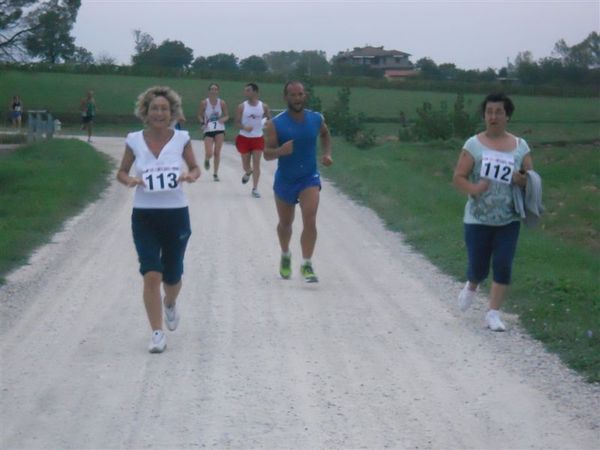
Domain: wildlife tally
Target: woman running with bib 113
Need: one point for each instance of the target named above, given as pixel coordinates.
(160, 219)
(489, 164)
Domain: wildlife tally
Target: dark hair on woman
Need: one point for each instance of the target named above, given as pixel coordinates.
(253, 86)
(509, 106)
(214, 84)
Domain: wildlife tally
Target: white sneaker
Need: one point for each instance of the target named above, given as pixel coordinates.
(466, 297)
(171, 317)
(255, 193)
(158, 342)
(492, 319)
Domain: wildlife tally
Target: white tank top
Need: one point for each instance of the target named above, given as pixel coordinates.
(253, 115)
(160, 174)
(212, 115)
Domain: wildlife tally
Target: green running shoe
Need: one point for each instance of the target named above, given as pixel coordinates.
(207, 164)
(308, 273)
(285, 267)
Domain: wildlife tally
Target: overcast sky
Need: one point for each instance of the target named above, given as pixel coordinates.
(471, 34)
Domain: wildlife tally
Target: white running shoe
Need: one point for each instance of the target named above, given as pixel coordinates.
(171, 317)
(255, 193)
(158, 342)
(466, 297)
(492, 319)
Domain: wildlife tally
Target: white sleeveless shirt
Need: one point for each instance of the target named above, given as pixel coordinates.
(212, 113)
(253, 115)
(162, 191)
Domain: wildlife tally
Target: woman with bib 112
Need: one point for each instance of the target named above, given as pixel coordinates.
(160, 219)
(489, 164)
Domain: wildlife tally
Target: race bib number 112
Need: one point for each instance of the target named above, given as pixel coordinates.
(160, 179)
(497, 166)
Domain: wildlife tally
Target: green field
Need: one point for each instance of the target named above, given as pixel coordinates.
(41, 185)
(543, 118)
(557, 271)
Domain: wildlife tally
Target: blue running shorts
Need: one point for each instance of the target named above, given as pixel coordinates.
(289, 191)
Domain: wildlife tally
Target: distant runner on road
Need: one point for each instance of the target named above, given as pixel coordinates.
(160, 220)
(16, 111)
(87, 107)
(291, 137)
(250, 141)
(212, 114)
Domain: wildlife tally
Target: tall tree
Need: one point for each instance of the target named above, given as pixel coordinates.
(254, 64)
(585, 54)
(222, 62)
(174, 54)
(51, 38)
(169, 54)
(81, 56)
(20, 20)
(200, 63)
(143, 42)
(13, 26)
(428, 68)
(447, 71)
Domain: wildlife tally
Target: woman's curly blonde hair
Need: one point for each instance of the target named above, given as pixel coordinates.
(146, 97)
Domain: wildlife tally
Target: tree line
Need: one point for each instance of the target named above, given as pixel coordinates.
(33, 30)
(575, 64)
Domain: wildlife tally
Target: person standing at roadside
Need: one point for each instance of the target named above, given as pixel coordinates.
(250, 141)
(87, 107)
(213, 114)
(291, 138)
(489, 164)
(160, 219)
(16, 111)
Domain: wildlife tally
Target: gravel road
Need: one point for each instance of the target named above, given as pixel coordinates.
(374, 356)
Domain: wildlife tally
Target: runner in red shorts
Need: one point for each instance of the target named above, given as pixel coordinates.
(250, 142)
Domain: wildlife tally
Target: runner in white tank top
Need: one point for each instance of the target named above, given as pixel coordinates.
(212, 115)
(250, 142)
(160, 219)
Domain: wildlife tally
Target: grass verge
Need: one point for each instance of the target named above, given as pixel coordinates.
(40, 186)
(556, 289)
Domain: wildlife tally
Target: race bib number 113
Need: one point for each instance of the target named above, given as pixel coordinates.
(160, 179)
(497, 166)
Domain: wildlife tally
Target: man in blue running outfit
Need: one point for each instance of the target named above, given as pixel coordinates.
(291, 138)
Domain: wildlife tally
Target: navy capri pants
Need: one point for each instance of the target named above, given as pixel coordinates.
(160, 237)
(497, 244)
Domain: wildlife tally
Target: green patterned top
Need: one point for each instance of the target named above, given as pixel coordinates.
(495, 206)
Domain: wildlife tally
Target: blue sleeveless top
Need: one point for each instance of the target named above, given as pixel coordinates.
(303, 160)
